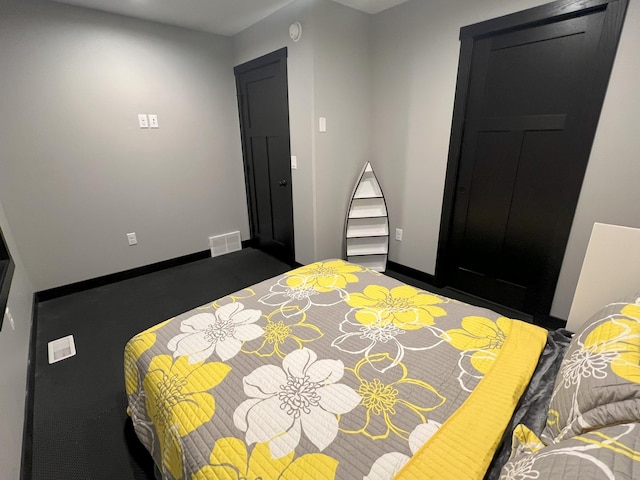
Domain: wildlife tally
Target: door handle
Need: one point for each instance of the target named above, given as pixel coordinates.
(283, 183)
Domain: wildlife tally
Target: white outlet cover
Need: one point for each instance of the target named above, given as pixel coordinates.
(143, 121)
(132, 239)
(153, 121)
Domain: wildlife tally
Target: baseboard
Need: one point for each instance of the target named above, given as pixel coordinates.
(83, 285)
(27, 429)
(410, 272)
(549, 322)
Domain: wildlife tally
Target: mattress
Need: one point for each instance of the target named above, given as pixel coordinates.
(330, 371)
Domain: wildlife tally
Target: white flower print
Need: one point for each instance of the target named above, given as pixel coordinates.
(223, 331)
(388, 465)
(303, 395)
(376, 335)
(296, 292)
(520, 470)
(469, 377)
(586, 363)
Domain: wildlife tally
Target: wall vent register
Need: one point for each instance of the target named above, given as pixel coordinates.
(61, 349)
(226, 243)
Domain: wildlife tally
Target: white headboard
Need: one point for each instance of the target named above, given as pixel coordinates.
(610, 271)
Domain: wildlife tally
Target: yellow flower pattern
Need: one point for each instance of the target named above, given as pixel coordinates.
(230, 460)
(482, 336)
(324, 276)
(283, 333)
(619, 338)
(133, 351)
(387, 397)
(375, 345)
(180, 402)
(405, 307)
(631, 310)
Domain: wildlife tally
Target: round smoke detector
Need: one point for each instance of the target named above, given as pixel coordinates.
(295, 31)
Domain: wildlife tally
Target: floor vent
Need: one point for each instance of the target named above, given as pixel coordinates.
(61, 348)
(227, 243)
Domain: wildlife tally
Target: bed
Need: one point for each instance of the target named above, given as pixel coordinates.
(334, 371)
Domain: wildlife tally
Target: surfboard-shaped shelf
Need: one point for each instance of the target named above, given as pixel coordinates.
(366, 228)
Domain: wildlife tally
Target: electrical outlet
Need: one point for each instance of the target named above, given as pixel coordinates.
(131, 237)
(399, 234)
(153, 121)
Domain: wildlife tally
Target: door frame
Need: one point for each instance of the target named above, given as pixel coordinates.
(615, 11)
(278, 56)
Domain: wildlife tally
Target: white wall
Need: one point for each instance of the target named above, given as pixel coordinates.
(14, 351)
(329, 76)
(76, 172)
(415, 57)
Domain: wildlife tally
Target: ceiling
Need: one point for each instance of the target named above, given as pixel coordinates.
(223, 17)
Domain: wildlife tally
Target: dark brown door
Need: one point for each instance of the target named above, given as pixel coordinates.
(534, 94)
(264, 123)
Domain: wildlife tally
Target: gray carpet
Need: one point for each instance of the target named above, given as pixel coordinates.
(80, 427)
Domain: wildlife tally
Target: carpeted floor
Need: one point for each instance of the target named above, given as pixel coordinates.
(80, 427)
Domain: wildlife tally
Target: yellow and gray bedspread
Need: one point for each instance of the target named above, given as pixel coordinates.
(328, 371)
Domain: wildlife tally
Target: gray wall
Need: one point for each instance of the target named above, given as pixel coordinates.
(342, 82)
(269, 35)
(415, 56)
(329, 76)
(610, 192)
(76, 172)
(14, 348)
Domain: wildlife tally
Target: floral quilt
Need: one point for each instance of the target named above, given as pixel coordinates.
(330, 371)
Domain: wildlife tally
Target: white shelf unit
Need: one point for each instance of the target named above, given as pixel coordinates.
(367, 246)
(368, 208)
(377, 263)
(366, 227)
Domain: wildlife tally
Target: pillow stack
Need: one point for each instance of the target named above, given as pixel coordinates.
(593, 424)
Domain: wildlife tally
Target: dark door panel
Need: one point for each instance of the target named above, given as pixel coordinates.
(527, 103)
(264, 124)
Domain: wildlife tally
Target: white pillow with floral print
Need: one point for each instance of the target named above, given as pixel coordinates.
(599, 380)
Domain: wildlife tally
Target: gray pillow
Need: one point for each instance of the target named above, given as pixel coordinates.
(599, 380)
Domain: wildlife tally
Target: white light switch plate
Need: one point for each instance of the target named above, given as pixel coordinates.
(143, 121)
(322, 124)
(131, 237)
(153, 121)
(294, 162)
